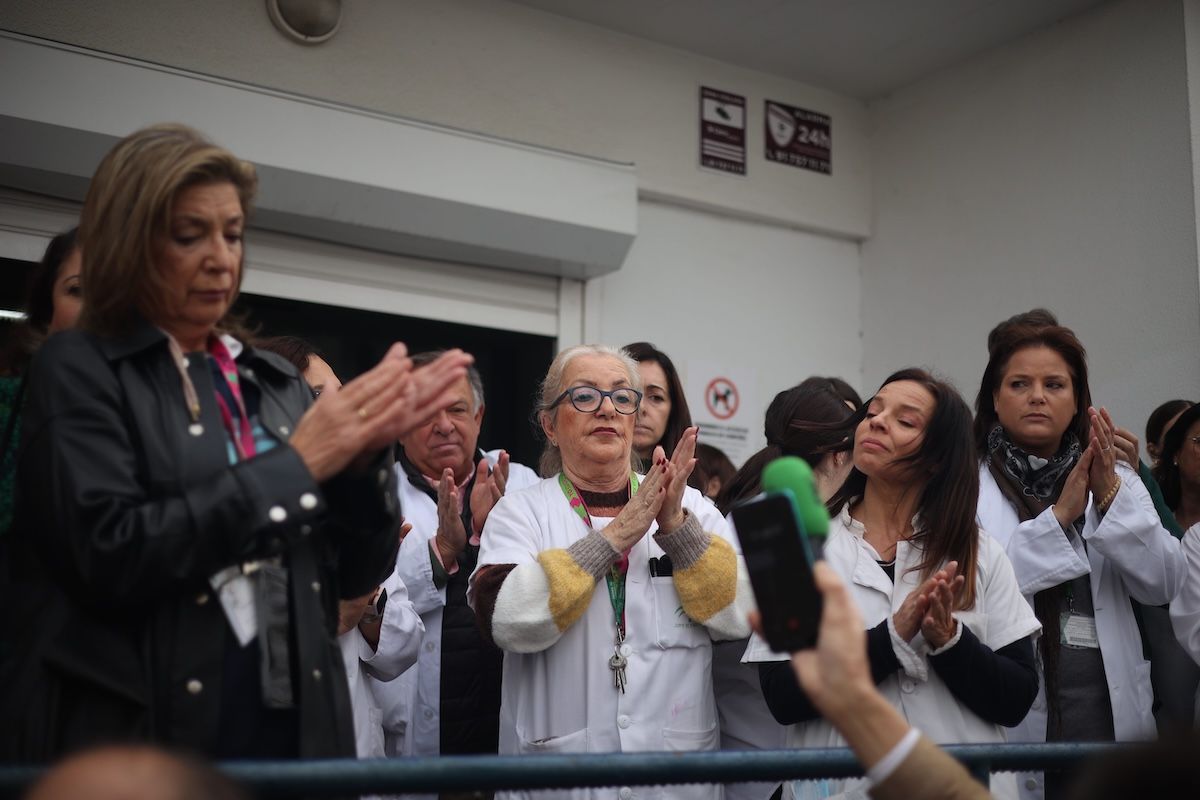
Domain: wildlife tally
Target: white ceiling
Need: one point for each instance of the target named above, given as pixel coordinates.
(862, 48)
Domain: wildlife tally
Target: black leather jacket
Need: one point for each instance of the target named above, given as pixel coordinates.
(125, 509)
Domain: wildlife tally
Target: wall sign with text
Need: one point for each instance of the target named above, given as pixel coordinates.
(722, 131)
(798, 137)
(724, 404)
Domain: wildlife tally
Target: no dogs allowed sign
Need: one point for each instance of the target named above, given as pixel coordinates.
(721, 400)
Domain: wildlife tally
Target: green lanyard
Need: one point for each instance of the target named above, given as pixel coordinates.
(616, 577)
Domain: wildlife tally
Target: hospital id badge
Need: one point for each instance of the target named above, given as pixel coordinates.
(1078, 631)
(236, 594)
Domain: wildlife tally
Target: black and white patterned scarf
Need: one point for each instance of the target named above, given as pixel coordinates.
(1030, 482)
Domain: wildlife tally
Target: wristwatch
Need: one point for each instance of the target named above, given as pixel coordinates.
(374, 611)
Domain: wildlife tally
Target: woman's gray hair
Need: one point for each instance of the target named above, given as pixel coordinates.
(550, 463)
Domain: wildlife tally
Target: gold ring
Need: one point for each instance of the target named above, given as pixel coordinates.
(362, 413)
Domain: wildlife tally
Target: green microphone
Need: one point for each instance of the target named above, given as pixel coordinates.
(782, 532)
(795, 476)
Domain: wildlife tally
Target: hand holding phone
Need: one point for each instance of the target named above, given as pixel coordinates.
(779, 558)
(780, 566)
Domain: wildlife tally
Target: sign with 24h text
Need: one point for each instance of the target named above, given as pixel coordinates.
(798, 137)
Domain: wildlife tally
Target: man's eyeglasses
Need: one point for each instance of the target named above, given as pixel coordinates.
(587, 399)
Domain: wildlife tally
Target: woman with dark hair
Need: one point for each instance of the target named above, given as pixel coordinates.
(1178, 471)
(804, 421)
(307, 360)
(52, 305)
(1081, 532)
(55, 297)
(807, 421)
(1179, 474)
(1158, 423)
(663, 415)
(949, 635)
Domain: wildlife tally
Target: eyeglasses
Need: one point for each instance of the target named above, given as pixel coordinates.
(588, 399)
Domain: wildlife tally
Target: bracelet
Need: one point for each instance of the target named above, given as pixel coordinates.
(884, 767)
(1108, 498)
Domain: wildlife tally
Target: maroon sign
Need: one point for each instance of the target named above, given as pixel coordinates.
(722, 131)
(798, 137)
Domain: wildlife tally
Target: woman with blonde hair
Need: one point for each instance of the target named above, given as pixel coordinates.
(605, 587)
(188, 517)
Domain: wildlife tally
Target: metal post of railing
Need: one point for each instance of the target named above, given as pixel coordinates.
(332, 778)
(981, 770)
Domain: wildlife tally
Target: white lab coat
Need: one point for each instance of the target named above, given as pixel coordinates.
(746, 722)
(411, 704)
(1185, 608)
(399, 642)
(1128, 554)
(999, 617)
(562, 699)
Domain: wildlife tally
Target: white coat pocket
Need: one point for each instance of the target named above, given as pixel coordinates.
(685, 741)
(574, 742)
(674, 627)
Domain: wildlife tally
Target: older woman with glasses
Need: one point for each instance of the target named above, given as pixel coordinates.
(606, 588)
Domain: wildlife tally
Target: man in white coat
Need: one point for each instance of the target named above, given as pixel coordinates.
(449, 702)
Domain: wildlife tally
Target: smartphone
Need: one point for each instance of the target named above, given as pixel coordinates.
(779, 560)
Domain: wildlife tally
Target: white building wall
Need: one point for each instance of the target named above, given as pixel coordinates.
(738, 294)
(505, 70)
(722, 268)
(1053, 171)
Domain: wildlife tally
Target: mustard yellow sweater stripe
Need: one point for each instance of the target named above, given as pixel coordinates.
(571, 587)
(709, 584)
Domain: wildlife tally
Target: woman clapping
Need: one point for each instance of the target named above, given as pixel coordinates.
(949, 635)
(1081, 532)
(605, 587)
(188, 517)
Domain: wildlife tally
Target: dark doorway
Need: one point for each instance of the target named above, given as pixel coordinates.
(511, 364)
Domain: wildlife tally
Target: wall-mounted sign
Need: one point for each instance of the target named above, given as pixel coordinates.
(722, 402)
(798, 137)
(722, 131)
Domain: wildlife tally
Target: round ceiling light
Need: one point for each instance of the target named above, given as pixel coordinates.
(306, 21)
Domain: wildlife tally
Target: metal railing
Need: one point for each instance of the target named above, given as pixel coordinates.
(342, 777)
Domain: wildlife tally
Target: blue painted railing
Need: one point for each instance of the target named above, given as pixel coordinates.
(344, 777)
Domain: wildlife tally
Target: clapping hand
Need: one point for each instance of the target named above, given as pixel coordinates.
(490, 483)
(910, 617)
(938, 625)
(683, 460)
(451, 536)
(631, 524)
(374, 410)
(1102, 476)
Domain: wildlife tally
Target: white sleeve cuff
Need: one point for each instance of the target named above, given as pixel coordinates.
(953, 640)
(911, 661)
(883, 769)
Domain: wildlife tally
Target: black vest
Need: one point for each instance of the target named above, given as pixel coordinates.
(471, 668)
